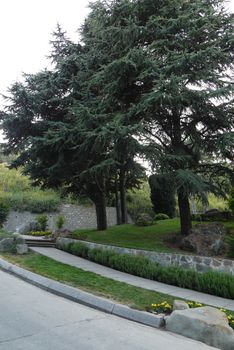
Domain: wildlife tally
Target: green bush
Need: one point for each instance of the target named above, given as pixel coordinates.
(215, 283)
(4, 210)
(35, 201)
(60, 220)
(42, 222)
(161, 216)
(41, 233)
(230, 244)
(144, 220)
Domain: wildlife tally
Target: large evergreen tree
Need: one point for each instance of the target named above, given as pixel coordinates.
(171, 74)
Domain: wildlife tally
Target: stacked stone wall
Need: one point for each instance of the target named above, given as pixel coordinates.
(197, 263)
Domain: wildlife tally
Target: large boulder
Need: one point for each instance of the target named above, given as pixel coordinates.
(7, 244)
(13, 244)
(21, 249)
(205, 239)
(206, 324)
(180, 305)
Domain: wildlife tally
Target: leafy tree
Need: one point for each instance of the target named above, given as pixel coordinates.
(62, 137)
(163, 194)
(170, 74)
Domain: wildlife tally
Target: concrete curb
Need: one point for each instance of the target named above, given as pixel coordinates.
(82, 297)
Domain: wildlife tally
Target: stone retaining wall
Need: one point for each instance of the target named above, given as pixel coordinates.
(197, 263)
(75, 217)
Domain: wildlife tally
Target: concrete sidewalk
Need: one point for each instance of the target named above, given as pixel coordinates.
(177, 292)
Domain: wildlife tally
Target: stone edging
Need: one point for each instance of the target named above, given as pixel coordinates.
(82, 297)
(194, 262)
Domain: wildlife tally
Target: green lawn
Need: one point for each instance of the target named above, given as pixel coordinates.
(132, 236)
(135, 297)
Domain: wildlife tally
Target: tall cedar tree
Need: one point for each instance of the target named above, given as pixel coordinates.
(171, 74)
(52, 121)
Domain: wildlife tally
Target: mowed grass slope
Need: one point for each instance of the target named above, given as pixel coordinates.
(135, 297)
(131, 236)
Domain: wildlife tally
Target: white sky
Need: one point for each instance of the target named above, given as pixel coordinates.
(25, 32)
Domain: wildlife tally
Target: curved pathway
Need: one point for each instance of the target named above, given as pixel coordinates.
(87, 265)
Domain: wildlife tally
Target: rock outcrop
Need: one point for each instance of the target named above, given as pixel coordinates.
(206, 324)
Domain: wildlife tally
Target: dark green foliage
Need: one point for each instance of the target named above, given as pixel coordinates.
(31, 201)
(163, 194)
(231, 201)
(215, 283)
(42, 222)
(60, 220)
(144, 220)
(4, 210)
(230, 244)
(151, 79)
(161, 216)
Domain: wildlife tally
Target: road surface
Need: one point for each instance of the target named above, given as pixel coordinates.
(33, 319)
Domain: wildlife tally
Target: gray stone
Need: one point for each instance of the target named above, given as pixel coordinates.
(146, 318)
(75, 217)
(205, 324)
(180, 305)
(197, 263)
(21, 249)
(18, 239)
(7, 244)
(205, 239)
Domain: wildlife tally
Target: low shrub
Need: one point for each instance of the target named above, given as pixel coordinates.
(35, 201)
(161, 216)
(144, 220)
(60, 220)
(41, 233)
(216, 283)
(42, 222)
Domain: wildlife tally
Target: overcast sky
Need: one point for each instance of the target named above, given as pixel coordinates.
(25, 32)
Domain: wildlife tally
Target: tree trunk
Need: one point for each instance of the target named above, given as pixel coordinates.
(122, 180)
(100, 206)
(185, 217)
(117, 203)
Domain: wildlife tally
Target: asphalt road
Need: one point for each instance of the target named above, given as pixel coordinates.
(33, 319)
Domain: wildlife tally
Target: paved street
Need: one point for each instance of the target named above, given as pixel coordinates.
(32, 319)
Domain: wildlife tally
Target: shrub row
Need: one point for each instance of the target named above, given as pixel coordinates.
(215, 283)
(34, 201)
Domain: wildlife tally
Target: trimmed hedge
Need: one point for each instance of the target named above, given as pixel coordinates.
(215, 283)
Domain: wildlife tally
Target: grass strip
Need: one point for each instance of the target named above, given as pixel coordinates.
(121, 292)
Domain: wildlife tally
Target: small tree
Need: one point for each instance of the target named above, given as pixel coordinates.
(60, 220)
(42, 222)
